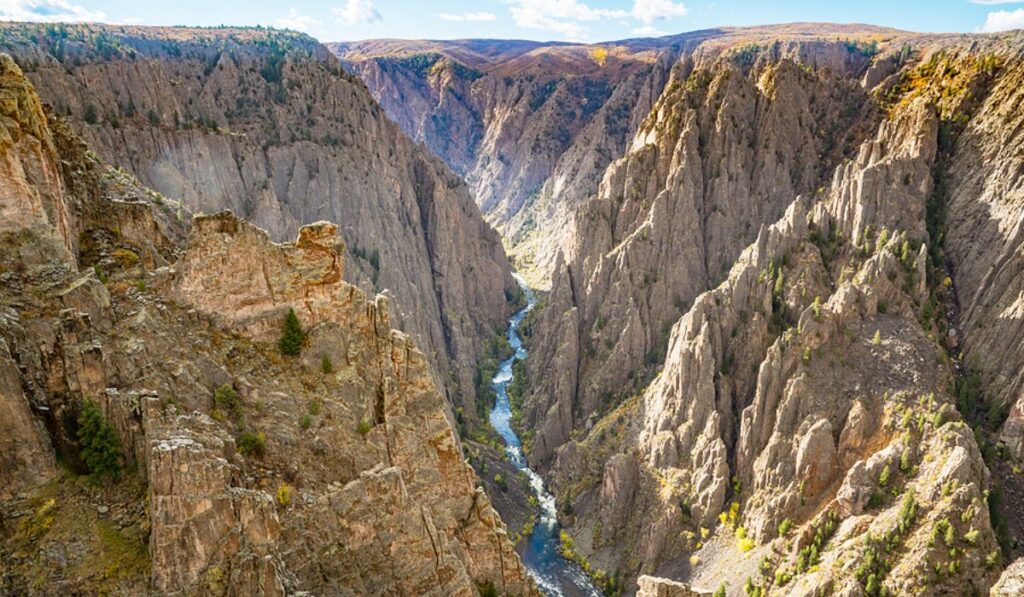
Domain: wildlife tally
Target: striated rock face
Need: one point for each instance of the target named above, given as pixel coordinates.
(531, 126)
(34, 199)
(985, 240)
(734, 137)
(804, 430)
(334, 472)
(267, 124)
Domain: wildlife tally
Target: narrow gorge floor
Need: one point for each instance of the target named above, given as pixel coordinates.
(555, 575)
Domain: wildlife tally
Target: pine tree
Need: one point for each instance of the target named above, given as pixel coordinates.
(100, 446)
(292, 335)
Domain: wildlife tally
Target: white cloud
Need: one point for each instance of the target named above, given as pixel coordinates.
(468, 16)
(560, 16)
(648, 31)
(649, 11)
(1003, 20)
(296, 21)
(47, 11)
(568, 17)
(357, 12)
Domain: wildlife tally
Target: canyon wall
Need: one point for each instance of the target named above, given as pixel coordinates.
(230, 468)
(267, 124)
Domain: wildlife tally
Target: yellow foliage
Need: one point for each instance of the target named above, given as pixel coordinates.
(600, 55)
(284, 494)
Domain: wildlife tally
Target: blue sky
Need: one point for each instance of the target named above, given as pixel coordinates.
(575, 20)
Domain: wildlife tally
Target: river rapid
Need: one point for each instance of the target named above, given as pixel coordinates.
(554, 574)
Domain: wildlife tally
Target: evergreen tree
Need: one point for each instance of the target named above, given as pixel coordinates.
(292, 335)
(100, 446)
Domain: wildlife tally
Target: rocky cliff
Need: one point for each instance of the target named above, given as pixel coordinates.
(531, 126)
(267, 124)
(737, 133)
(218, 465)
(806, 423)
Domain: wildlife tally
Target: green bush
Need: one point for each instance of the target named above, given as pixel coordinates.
(883, 479)
(292, 335)
(364, 427)
(252, 444)
(99, 443)
(225, 398)
(90, 116)
(326, 366)
(487, 589)
(784, 527)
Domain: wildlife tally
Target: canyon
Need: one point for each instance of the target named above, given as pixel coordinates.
(761, 174)
(258, 302)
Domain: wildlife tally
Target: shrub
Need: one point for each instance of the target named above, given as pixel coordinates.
(501, 483)
(314, 408)
(905, 460)
(752, 590)
(816, 306)
(292, 335)
(225, 398)
(99, 443)
(284, 494)
(810, 555)
(971, 536)
(720, 591)
(487, 589)
(326, 366)
(153, 117)
(252, 444)
(908, 512)
(784, 527)
(877, 339)
(364, 426)
(306, 422)
(883, 479)
(90, 114)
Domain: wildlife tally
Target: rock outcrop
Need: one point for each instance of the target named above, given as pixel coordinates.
(267, 124)
(333, 472)
(1011, 582)
(804, 434)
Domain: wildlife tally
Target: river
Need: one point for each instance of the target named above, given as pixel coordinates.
(554, 574)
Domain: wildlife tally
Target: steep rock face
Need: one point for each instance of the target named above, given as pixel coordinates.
(335, 472)
(531, 126)
(267, 124)
(808, 405)
(985, 238)
(422, 493)
(34, 197)
(734, 137)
